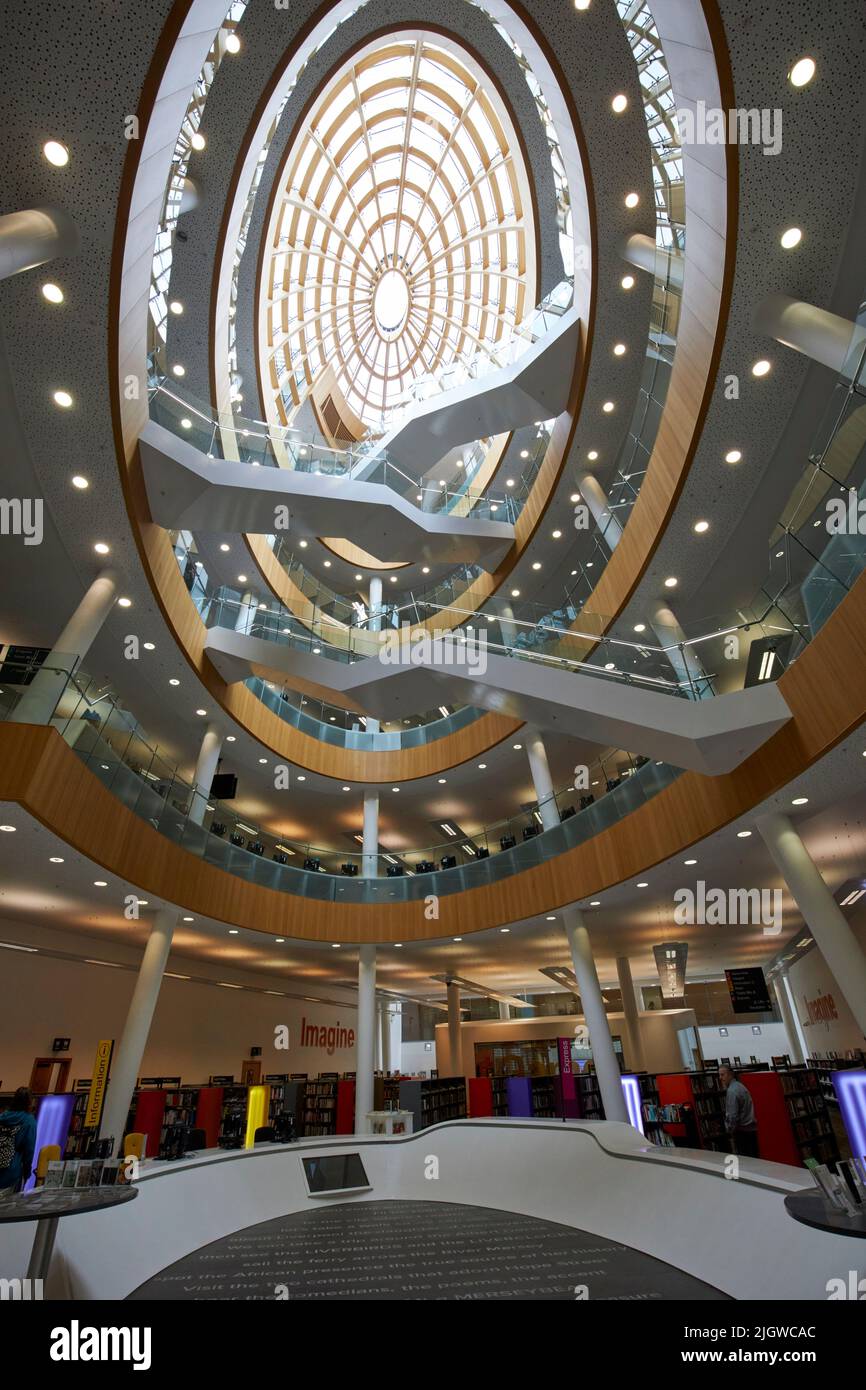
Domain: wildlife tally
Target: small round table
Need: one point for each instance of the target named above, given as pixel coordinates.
(813, 1209)
(46, 1206)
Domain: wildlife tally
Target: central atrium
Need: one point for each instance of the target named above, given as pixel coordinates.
(433, 658)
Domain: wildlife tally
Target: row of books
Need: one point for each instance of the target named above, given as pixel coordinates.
(83, 1172)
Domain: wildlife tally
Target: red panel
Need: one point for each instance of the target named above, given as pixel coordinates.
(480, 1096)
(345, 1107)
(676, 1089)
(776, 1141)
(149, 1110)
(208, 1113)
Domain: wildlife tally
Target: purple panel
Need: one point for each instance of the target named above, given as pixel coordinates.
(850, 1088)
(52, 1126)
(518, 1089)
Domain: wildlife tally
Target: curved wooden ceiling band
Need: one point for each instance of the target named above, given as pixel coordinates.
(825, 690)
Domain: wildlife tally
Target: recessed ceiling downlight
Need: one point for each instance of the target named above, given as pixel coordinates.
(802, 72)
(56, 153)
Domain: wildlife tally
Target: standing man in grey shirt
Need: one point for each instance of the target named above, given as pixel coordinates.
(739, 1115)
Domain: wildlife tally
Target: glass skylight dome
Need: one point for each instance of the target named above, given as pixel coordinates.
(402, 237)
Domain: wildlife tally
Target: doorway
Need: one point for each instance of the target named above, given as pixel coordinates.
(49, 1074)
(251, 1071)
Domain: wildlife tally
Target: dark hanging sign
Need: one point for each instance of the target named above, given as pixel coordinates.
(61, 1044)
(159, 1081)
(222, 1081)
(748, 991)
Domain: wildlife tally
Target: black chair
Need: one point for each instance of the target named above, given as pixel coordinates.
(586, 801)
(264, 1135)
(566, 813)
(350, 870)
(613, 783)
(237, 839)
(425, 867)
(448, 861)
(195, 1140)
(395, 871)
(256, 847)
(482, 852)
(280, 858)
(507, 842)
(312, 865)
(217, 828)
(530, 831)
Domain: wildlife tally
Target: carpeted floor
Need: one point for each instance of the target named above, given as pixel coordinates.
(418, 1251)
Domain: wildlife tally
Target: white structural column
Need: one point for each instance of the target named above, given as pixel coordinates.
(815, 332)
(596, 499)
(31, 238)
(686, 665)
(244, 620)
(541, 779)
(205, 769)
(795, 1050)
(629, 1008)
(385, 1035)
(38, 702)
(603, 1055)
(375, 604)
(126, 1062)
(504, 1011)
(370, 834)
(455, 1040)
(642, 251)
(365, 1037)
(821, 913)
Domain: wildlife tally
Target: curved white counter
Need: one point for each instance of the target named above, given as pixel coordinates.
(675, 1204)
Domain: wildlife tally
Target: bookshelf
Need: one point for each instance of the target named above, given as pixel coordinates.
(233, 1117)
(148, 1117)
(433, 1100)
(177, 1121)
(588, 1096)
(807, 1113)
(78, 1138)
(544, 1099)
(319, 1108)
(499, 1097)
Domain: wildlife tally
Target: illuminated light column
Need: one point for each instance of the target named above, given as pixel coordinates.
(365, 1038)
(455, 1041)
(603, 1054)
(816, 333)
(821, 913)
(795, 1049)
(541, 779)
(205, 770)
(629, 1008)
(641, 251)
(126, 1062)
(39, 701)
(34, 237)
(504, 1011)
(596, 499)
(370, 832)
